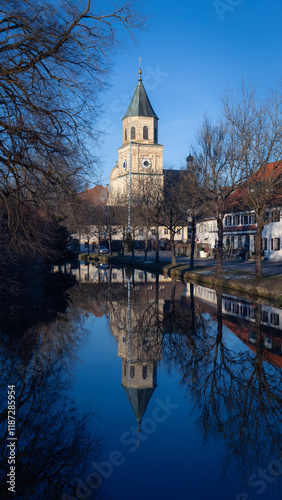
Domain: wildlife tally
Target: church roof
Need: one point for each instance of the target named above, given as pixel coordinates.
(140, 104)
(139, 399)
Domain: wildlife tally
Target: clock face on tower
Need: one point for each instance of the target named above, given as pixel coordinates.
(124, 163)
(146, 163)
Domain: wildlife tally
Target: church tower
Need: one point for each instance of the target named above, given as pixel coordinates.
(139, 146)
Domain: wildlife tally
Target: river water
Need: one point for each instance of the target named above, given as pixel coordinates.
(145, 387)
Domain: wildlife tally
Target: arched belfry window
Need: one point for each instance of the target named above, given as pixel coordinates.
(133, 133)
(125, 134)
(145, 132)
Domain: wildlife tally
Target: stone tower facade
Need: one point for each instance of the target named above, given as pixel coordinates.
(140, 147)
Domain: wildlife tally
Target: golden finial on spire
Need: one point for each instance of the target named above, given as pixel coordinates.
(140, 71)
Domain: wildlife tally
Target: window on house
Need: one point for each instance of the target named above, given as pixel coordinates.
(275, 243)
(145, 133)
(125, 134)
(132, 372)
(276, 216)
(244, 311)
(274, 319)
(264, 317)
(236, 220)
(264, 244)
(232, 241)
(253, 219)
(114, 276)
(236, 309)
(239, 241)
(178, 231)
(228, 220)
(265, 216)
(252, 336)
(166, 231)
(140, 276)
(153, 231)
(227, 306)
(144, 372)
(114, 231)
(245, 219)
(133, 133)
(268, 342)
(86, 244)
(141, 232)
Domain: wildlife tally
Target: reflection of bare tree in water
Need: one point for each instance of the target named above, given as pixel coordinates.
(55, 440)
(237, 394)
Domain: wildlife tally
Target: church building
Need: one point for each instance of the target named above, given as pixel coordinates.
(140, 147)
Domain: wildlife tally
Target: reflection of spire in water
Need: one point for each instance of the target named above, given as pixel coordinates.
(139, 399)
(139, 378)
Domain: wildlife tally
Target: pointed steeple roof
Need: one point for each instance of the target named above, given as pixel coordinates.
(139, 399)
(140, 104)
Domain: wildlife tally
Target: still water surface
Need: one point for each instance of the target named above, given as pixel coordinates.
(149, 388)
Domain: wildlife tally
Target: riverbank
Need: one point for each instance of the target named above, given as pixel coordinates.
(235, 277)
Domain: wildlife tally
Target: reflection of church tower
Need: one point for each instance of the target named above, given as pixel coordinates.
(140, 123)
(140, 386)
(139, 346)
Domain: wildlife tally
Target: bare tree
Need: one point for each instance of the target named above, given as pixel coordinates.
(256, 126)
(193, 191)
(167, 206)
(54, 59)
(215, 156)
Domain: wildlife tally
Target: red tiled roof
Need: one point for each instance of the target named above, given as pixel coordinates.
(97, 195)
(268, 173)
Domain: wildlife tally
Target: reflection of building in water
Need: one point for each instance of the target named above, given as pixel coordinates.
(138, 334)
(239, 316)
(91, 272)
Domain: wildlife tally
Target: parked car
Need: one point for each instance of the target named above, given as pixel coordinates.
(103, 250)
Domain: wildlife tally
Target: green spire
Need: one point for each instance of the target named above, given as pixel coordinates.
(140, 104)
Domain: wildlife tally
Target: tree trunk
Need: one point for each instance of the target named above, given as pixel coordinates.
(193, 236)
(219, 253)
(99, 242)
(123, 241)
(258, 269)
(146, 245)
(193, 320)
(132, 247)
(219, 317)
(110, 241)
(157, 245)
(172, 244)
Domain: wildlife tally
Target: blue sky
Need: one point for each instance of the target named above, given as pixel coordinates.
(191, 51)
